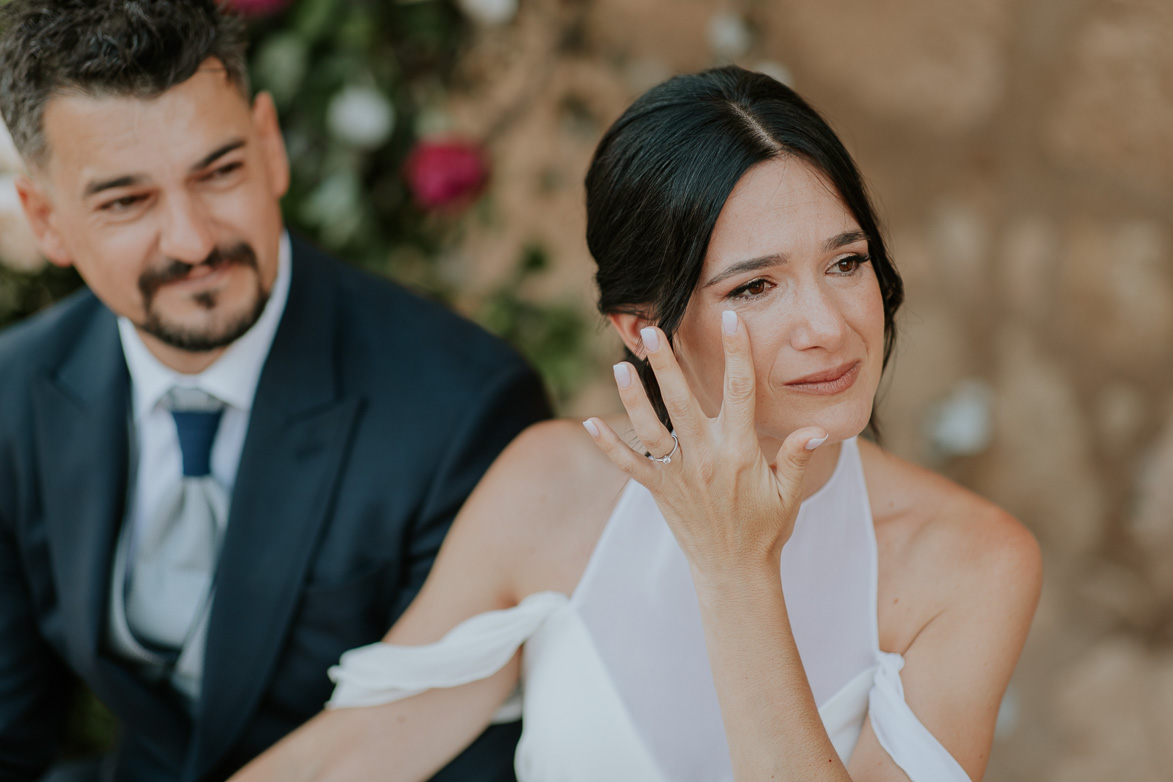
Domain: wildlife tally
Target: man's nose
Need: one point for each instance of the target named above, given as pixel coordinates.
(818, 319)
(186, 234)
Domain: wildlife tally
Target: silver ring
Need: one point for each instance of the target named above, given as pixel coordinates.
(667, 459)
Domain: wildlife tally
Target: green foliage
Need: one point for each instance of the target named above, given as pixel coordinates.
(351, 198)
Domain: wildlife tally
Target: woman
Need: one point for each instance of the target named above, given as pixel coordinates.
(740, 262)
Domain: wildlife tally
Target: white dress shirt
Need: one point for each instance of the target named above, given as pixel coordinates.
(232, 378)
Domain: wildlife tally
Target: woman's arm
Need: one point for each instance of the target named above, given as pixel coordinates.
(732, 511)
(487, 562)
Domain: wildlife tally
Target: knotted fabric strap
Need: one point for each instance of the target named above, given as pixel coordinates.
(901, 734)
(473, 650)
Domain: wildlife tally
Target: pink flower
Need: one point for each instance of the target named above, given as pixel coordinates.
(255, 8)
(445, 174)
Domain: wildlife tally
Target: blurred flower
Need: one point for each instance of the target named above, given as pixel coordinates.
(445, 173)
(729, 35)
(962, 423)
(257, 8)
(9, 158)
(776, 70)
(489, 12)
(280, 66)
(360, 117)
(18, 249)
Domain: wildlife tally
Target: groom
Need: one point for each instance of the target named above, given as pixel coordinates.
(232, 458)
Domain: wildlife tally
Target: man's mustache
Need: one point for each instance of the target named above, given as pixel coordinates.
(151, 280)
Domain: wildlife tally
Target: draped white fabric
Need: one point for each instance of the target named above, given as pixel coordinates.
(616, 678)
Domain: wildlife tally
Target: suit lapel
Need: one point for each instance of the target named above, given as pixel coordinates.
(298, 436)
(81, 415)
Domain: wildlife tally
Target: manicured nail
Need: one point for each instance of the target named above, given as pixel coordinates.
(589, 425)
(729, 321)
(651, 339)
(622, 374)
(816, 442)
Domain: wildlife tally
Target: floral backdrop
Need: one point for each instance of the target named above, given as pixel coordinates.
(1020, 155)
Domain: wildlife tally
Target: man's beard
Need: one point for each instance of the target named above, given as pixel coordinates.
(212, 338)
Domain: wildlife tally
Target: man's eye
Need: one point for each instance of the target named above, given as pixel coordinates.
(224, 171)
(121, 204)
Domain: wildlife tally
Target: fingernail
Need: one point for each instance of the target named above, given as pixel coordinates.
(729, 321)
(589, 425)
(622, 374)
(651, 339)
(816, 442)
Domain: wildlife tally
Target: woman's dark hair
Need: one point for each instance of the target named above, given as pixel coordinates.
(100, 48)
(662, 173)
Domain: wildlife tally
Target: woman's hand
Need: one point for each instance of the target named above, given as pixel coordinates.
(728, 505)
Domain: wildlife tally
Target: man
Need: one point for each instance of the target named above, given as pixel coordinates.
(232, 458)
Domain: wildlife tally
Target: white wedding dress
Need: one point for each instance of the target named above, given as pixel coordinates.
(616, 683)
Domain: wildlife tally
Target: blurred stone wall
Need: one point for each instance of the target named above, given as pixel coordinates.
(1021, 154)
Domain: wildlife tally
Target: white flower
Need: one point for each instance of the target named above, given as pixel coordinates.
(9, 158)
(360, 117)
(962, 423)
(489, 12)
(18, 248)
(729, 35)
(776, 70)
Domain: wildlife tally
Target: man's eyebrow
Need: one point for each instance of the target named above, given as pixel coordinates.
(130, 180)
(751, 265)
(211, 158)
(847, 237)
(93, 188)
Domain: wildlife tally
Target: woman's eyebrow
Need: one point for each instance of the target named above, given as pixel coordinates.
(847, 237)
(751, 265)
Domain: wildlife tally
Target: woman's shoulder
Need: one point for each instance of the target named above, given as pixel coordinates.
(550, 493)
(941, 546)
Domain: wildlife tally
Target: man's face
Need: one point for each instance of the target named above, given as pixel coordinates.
(167, 207)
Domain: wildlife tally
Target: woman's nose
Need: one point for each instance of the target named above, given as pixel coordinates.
(817, 319)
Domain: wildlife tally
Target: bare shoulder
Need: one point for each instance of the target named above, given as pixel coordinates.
(942, 547)
(543, 504)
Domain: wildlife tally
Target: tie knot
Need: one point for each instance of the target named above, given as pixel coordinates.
(197, 417)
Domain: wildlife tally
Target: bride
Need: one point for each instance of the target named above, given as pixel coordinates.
(750, 592)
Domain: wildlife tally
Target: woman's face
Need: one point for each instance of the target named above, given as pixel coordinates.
(788, 257)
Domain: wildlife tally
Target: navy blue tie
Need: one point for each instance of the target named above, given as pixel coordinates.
(177, 547)
(197, 432)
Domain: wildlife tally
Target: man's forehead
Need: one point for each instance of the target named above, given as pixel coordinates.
(175, 128)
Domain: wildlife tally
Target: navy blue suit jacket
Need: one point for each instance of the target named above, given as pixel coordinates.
(376, 414)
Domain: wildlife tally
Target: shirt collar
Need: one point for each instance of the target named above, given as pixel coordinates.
(233, 377)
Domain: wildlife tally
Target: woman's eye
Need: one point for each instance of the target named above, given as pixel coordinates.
(850, 264)
(751, 289)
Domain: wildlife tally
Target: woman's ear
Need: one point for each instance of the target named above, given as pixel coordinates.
(628, 325)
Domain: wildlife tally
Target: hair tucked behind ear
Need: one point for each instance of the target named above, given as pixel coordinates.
(662, 173)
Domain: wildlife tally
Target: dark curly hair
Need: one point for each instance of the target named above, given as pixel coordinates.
(662, 173)
(138, 48)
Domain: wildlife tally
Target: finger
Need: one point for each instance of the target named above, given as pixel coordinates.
(795, 455)
(737, 407)
(635, 465)
(678, 397)
(656, 439)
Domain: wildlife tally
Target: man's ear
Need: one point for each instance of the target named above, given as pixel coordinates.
(264, 114)
(38, 210)
(628, 326)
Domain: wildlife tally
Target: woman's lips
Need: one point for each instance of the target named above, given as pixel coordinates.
(831, 381)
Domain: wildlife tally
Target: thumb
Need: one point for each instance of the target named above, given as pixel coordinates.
(795, 454)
